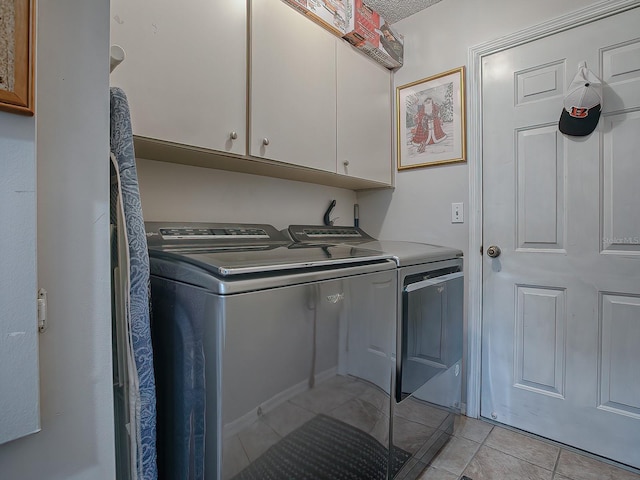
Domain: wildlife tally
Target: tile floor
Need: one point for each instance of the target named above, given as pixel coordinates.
(355, 402)
(483, 451)
(477, 449)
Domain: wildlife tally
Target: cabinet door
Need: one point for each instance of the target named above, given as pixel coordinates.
(185, 70)
(293, 88)
(364, 116)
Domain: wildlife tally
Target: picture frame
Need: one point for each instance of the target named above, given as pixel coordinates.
(431, 121)
(17, 46)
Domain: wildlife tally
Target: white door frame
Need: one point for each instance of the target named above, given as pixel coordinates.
(476, 55)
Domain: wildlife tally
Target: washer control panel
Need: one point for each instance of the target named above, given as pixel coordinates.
(166, 235)
(211, 233)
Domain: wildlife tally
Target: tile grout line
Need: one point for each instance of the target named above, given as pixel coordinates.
(476, 452)
(564, 446)
(518, 458)
(555, 466)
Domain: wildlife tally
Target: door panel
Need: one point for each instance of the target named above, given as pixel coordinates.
(540, 188)
(540, 324)
(370, 326)
(561, 319)
(537, 83)
(621, 197)
(621, 75)
(619, 375)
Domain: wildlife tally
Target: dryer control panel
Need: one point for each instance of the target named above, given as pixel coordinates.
(316, 234)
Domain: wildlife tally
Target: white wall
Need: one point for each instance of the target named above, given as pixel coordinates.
(436, 40)
(76, 441)
(172, 192)
(19, 382)
(72, 125)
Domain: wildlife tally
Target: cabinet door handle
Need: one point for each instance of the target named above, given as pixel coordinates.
(233, 135)
(346, 163)
(265, 141)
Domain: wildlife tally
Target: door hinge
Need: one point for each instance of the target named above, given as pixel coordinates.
(42, 310)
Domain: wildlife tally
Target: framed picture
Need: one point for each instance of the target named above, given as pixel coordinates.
(16, 56)
(431, 121)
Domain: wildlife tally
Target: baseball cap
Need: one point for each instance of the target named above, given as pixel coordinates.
(582, 105)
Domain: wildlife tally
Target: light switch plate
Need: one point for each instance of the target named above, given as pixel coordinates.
(457, 212)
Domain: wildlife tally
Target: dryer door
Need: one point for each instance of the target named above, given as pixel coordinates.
(431, 330)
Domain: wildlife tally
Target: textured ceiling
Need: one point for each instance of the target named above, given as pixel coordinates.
(394, 10)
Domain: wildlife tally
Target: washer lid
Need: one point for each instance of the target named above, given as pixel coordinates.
(227, 262)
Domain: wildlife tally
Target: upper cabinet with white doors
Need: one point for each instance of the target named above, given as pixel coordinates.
(293, 88)
(310, 99)
(185, 70)
(364, 116)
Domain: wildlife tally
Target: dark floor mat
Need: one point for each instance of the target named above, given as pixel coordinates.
(325, 449)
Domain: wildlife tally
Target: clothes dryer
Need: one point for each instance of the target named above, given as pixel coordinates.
(428, 337)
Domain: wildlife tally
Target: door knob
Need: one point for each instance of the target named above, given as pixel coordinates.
(493, 251)
(233, 135)
(265, 141)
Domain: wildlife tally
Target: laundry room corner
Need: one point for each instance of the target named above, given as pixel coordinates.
(172, 192)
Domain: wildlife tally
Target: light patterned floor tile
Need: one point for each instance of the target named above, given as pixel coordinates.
(287, 417)
(455, 455)
(357, 413)
(377, 398)
(524, 447)
(234, 458)
(420, 412)
(257, 439)
(410, 436)
(433, 473)
(491, 464)
(581, 467)
(330, 394)
(471, 428)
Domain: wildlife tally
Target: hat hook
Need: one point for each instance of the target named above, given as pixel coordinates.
(582, 64)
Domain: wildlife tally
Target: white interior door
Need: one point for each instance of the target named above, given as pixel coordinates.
(561, 319)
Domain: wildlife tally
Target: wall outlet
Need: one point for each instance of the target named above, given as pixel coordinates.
(457, 213)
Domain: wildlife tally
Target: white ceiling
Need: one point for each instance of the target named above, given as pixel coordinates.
(394, 10)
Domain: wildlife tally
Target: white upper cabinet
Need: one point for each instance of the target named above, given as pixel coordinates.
(293, 88)
(364, 116)
(296, 102)
(185, 70)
